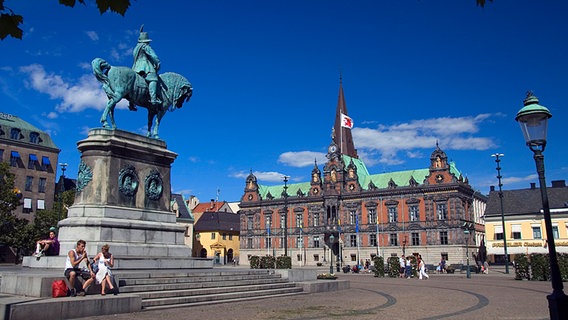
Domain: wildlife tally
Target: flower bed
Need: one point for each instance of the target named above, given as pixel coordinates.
(326, 276)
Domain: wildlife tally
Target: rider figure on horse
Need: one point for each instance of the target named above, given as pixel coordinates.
(147, 64)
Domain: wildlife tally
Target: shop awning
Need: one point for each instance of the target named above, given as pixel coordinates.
(15, 154)
(498, 229)
(33, 157)
(45, 160)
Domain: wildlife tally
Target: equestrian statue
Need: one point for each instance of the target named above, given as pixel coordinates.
(142, 86)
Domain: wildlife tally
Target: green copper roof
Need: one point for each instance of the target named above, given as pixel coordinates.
(8, 121)
(381, 180)
(276, 191)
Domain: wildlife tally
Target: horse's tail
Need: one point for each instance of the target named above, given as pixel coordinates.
(100, 69)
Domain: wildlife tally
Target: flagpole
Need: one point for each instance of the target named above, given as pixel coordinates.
(357, 233)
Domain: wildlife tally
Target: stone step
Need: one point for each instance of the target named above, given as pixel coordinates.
(185, 301)
(213, 291)
(193, 279)
(185, 284)
(210, 302)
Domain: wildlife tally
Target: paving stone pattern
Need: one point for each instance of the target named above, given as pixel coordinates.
(443, 296)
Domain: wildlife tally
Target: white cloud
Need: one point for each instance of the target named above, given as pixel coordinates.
(386, 142)
(512, 180)
(301, 158)
(52, 115)
(269, 176)
(87, 93)
(92, 35)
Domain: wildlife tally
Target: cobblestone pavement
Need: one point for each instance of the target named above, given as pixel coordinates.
(493, 296)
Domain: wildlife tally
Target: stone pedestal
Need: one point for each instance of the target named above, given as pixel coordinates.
(123, 199)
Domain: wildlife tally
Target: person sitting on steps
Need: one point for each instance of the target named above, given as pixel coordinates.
(72, 269)
(47, 247)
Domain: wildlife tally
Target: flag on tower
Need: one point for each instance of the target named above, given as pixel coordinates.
(346, 121)
(357, 223)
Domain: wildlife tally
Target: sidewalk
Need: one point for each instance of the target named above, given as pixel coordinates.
(444, 296)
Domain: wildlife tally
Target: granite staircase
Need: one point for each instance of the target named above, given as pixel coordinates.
(172, 289)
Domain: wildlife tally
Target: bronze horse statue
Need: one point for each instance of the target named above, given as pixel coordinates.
(123, 83)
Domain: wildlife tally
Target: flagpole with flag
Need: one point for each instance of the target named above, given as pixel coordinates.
(346, 122)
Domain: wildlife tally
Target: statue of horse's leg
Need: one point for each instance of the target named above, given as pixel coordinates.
(104, 121)
(151, 115)
(159, 117)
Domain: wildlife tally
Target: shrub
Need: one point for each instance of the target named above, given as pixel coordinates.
(284, 262)
(379, 263)
(522, 270)
(563, 264)
(267, 262)
(540, 267)
(393, 267)
(254, 262)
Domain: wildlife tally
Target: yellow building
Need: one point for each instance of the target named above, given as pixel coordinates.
(525, 231)
(217, 237)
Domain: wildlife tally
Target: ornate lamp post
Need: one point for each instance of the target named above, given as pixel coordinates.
(285, 216)
(467, 228)
(498, 160)
(533, 119)
(331, 239)
(61, 190)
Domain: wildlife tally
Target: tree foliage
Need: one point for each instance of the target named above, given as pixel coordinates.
(10, 198)
(10, 21)
(18, 233)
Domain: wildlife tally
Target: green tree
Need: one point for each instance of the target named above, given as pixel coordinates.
(10, 199)
(10, 21)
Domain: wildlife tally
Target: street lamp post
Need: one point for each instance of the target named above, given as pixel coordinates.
(61, 190)
(285, 216)
(331, 239)
(467, 226)
(498, 160)
(533, 119)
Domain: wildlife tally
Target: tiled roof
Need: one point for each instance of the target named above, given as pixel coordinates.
(206, 206)
(7, 122)
(525, 201)
(218, 221)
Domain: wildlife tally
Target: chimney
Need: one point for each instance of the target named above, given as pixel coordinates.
(491, 188)
(533, 185)
(212, 204)
(559, 183)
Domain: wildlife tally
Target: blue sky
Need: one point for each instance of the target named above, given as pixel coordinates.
(266, 76)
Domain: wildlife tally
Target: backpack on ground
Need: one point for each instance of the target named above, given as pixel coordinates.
(59, 289)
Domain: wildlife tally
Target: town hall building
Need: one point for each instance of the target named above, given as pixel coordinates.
(431, 211)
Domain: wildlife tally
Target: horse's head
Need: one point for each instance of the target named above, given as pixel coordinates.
(185, 94)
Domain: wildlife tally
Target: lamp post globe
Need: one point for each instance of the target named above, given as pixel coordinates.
(533, 119)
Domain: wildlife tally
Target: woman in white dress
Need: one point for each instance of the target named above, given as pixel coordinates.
(105, 261)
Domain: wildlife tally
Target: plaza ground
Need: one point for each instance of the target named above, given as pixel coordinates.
(444, 296)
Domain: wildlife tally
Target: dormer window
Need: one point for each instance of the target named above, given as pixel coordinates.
(15, 134)
(34, 137)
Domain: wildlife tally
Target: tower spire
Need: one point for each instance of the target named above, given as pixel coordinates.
(343, 138)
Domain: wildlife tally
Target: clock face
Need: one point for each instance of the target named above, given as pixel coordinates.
(439, 178)
(250, 197)
(332, 148)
